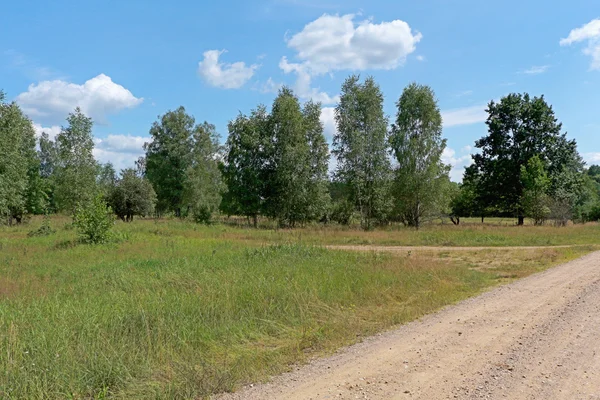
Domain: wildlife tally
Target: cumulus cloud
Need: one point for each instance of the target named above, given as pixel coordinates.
(52, 131)
(223, 75)
(303, 86)
(328, 121)
(120, 150)
(51, 101)
(457, 161)
(589, 33)
(464, 116)
(335, 43)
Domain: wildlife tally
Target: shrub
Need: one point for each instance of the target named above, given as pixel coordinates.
(44, 230)
(94, 221)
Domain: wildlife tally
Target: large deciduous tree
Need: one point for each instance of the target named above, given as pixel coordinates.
(535, 201)
(289, 174)
(132, 195)
(318, 162)
(203, 184)
(75, 170)
(168, 156)
(19, 166)
(360, 145)
(182, 164)
(244, 169)
(519, 128)
(416, 141)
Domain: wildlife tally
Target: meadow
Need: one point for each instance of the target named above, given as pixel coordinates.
(175, 310)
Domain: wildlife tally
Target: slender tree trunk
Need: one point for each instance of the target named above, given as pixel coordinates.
(255, 221)
(521, 220)
(482, 218)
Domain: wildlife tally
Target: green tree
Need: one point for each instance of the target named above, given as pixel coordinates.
(421, 185)
(244, 169)
(94, 220)
(168, 157)
(318, 162)
(203, 184)
(535, 201)
(106, 179)
(132, 195)
(18, 172)
(519, 128)
(75, 171)
(48, 157)
(360, 146)
(290, 177)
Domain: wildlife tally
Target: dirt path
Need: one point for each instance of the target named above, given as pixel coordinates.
(404, 249)
(537, 338)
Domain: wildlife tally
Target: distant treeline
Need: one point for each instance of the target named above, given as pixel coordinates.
(275, 164)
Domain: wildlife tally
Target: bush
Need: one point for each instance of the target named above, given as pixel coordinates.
(342, 212)
(94, 221)
(44, 230)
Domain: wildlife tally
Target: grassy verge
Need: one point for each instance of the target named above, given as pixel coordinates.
(180, 311)
(431, 235)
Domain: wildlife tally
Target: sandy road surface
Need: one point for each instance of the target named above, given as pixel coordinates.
(537, 338)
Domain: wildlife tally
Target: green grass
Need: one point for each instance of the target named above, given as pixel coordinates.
(176, 310)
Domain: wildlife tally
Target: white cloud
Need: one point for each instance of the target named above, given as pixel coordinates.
(458, 162)
(222, 75)
(589, 32)
(334, 42)
(464, 116)
(536, 70)
(302, 87)
(52, 131)
(51, 101)
(328, 121)
(121, 150)
(270, 86)
(591, 158)
(420, 58)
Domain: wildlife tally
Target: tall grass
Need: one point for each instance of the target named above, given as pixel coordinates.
(176, 310)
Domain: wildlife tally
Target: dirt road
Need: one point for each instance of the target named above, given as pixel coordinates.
(538, 338)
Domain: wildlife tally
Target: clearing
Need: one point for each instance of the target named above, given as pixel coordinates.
(532, 339)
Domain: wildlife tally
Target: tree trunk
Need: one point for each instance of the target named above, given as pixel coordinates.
(521, 220)
(455, 220)
(482, 218)
(255, 221)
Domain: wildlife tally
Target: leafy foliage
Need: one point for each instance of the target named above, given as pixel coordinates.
(244, 170)
(519, 128)
(44, 230)
(168, 157)
(132, 195)
(181, 163)
(94, 221)
(19, 183)
(416, 141)
(75, 171)
(203, 183)
(360, 146)
(535, 201)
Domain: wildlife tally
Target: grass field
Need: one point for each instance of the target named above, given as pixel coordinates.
(177, 310)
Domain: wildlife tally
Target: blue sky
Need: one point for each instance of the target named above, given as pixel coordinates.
(126, 62)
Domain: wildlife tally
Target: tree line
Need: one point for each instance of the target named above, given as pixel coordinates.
(275, 164)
